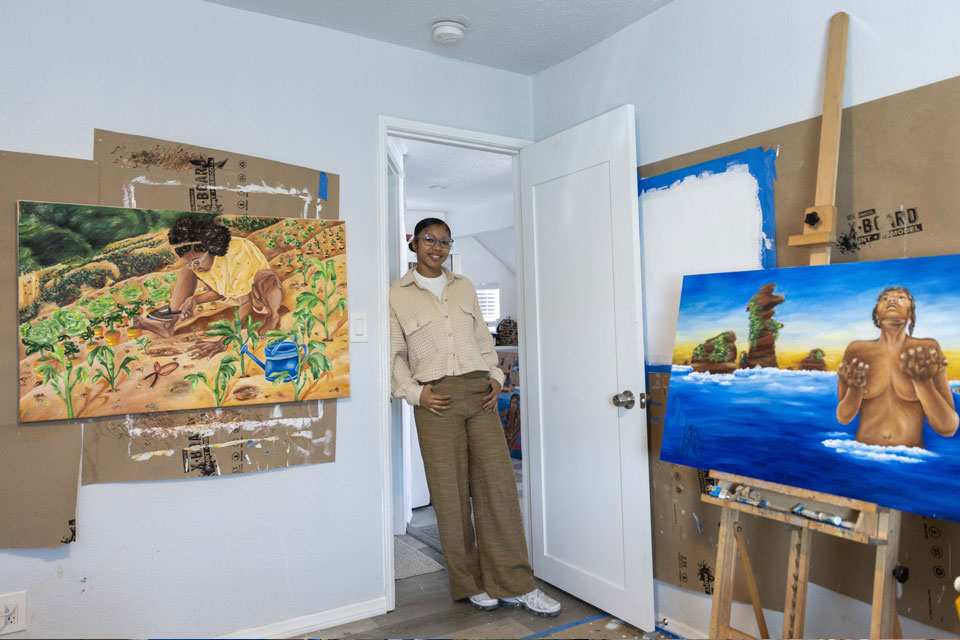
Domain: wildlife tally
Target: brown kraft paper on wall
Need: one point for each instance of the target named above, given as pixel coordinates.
(145, 172)
(41, 463)
(158, 174)
(897, 196)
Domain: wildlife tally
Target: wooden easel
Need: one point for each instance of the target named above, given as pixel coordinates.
(874, 525)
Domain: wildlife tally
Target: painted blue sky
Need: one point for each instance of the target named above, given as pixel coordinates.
(825, 307)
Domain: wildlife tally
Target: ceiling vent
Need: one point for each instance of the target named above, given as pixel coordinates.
(448, 32)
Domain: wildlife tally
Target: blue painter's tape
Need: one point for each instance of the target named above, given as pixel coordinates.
(669, 634)
(548, 632)
(762, 166)
(322, 187)
(654, 368)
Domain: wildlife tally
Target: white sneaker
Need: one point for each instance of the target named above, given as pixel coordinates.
(535, 602)
(483, 601)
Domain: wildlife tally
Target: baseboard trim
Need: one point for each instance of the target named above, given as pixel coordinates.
(680, 630)
(315, 621)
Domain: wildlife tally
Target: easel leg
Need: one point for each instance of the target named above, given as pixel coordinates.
(723, 582)
(884, 586)
(798, 572)
(751, 583)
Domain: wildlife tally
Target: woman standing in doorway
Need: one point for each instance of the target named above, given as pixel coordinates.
(443, 362)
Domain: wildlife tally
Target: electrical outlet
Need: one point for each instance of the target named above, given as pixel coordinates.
(13, 608)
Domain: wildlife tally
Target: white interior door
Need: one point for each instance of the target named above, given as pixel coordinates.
(583, 341)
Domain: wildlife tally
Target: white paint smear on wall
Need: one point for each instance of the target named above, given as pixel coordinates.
(703, 224)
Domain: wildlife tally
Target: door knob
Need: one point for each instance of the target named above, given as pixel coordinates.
(625, 399)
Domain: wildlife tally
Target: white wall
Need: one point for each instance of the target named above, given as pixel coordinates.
(702, 72)
(206, 557)
(496, 213)
(482, 267)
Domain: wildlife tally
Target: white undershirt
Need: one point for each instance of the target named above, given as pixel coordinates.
(434, 285)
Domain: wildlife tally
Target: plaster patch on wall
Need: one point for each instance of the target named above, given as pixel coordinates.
(711, 217)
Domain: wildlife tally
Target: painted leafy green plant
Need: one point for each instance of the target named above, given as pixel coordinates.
(107, 370)
(237, 335)
(699, 351)
(131, 310)
(40, 337)
(102, 306)
(63, 379)
(159, 294)
(131, 293)
(70, 321)
(225, 371)
(112, 318)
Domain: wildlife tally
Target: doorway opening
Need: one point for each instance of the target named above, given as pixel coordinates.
(473, 190)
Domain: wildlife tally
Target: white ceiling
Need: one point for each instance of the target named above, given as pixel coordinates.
(471, 177)
(525, 36)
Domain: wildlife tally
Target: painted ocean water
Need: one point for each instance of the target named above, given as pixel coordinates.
(780, 425)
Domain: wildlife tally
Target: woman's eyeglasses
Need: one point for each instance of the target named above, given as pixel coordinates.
(431, 241)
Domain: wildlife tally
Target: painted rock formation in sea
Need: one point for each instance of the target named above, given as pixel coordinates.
(813, 361)
(764, 330)
(717, 354)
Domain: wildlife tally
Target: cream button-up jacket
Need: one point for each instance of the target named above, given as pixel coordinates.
(430, 339)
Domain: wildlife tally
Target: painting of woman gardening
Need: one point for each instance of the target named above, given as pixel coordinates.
(126, 311)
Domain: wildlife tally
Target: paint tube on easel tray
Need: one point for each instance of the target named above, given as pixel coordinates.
(820, 516)
(718, 492)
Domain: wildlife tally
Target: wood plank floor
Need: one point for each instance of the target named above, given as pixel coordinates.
(426, 610)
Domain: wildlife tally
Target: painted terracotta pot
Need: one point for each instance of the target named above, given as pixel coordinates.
(113, 337)
(98, 332)
(134, 332)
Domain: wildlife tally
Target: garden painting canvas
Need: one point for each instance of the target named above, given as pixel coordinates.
(125, 311)
(842, 379)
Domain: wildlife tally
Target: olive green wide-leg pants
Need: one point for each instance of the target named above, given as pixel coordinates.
(464, 452)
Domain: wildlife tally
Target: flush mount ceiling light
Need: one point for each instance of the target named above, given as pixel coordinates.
(448, 32)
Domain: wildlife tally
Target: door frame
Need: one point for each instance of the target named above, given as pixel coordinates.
(451, 136)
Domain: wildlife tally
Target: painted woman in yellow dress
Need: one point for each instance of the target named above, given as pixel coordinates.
(233, 269)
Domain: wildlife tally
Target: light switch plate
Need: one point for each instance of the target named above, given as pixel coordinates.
(359, 329)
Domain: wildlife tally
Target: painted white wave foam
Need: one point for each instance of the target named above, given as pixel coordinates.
(898, 453)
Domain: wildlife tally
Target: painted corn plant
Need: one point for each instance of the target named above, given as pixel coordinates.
(217, 384)
(238, 335)
(327, 272)
(102, 361)
(62, 375)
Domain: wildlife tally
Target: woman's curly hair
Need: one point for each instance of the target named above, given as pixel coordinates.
(204, 231)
